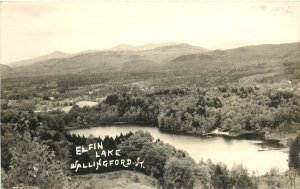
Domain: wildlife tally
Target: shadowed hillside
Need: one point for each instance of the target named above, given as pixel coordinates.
(245, 55)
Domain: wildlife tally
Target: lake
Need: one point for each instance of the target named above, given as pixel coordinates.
(218, 149)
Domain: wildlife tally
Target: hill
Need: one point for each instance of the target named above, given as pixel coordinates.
(260, 63)
(256, 54)
(5, 70)
(274, 57)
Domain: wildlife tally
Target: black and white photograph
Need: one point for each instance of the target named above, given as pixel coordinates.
(163, 94)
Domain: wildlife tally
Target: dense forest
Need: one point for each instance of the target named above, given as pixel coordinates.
(234, 109)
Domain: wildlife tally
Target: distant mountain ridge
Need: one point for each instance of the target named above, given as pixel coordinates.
(233, 45)
(53, 55)
(178, 56)
(107, 60)
(182, 46)
(61, 55)
(148, 46)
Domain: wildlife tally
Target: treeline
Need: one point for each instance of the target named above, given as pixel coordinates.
(117, 108)
(233, 109)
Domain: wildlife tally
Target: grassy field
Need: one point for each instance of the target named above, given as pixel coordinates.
(118, 179)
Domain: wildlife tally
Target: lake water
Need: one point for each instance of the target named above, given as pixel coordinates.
(218, 149)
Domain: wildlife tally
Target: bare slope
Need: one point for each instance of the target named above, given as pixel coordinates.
(118, 179)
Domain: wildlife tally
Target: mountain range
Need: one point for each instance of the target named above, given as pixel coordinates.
(149, 57)
(61, 55)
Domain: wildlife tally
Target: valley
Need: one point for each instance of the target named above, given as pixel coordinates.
(181, 90)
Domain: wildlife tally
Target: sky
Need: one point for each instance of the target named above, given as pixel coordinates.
(34, 28)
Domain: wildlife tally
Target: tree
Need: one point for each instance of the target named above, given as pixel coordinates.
(220, 177)
(111, 99)
(134, 144)
(180, 172)
(155, 156)
(240, 177)
(203, 174)
(32, 164)
(294, 159)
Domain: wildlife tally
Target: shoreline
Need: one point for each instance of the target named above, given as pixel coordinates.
(260, 145)
(273, 138)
